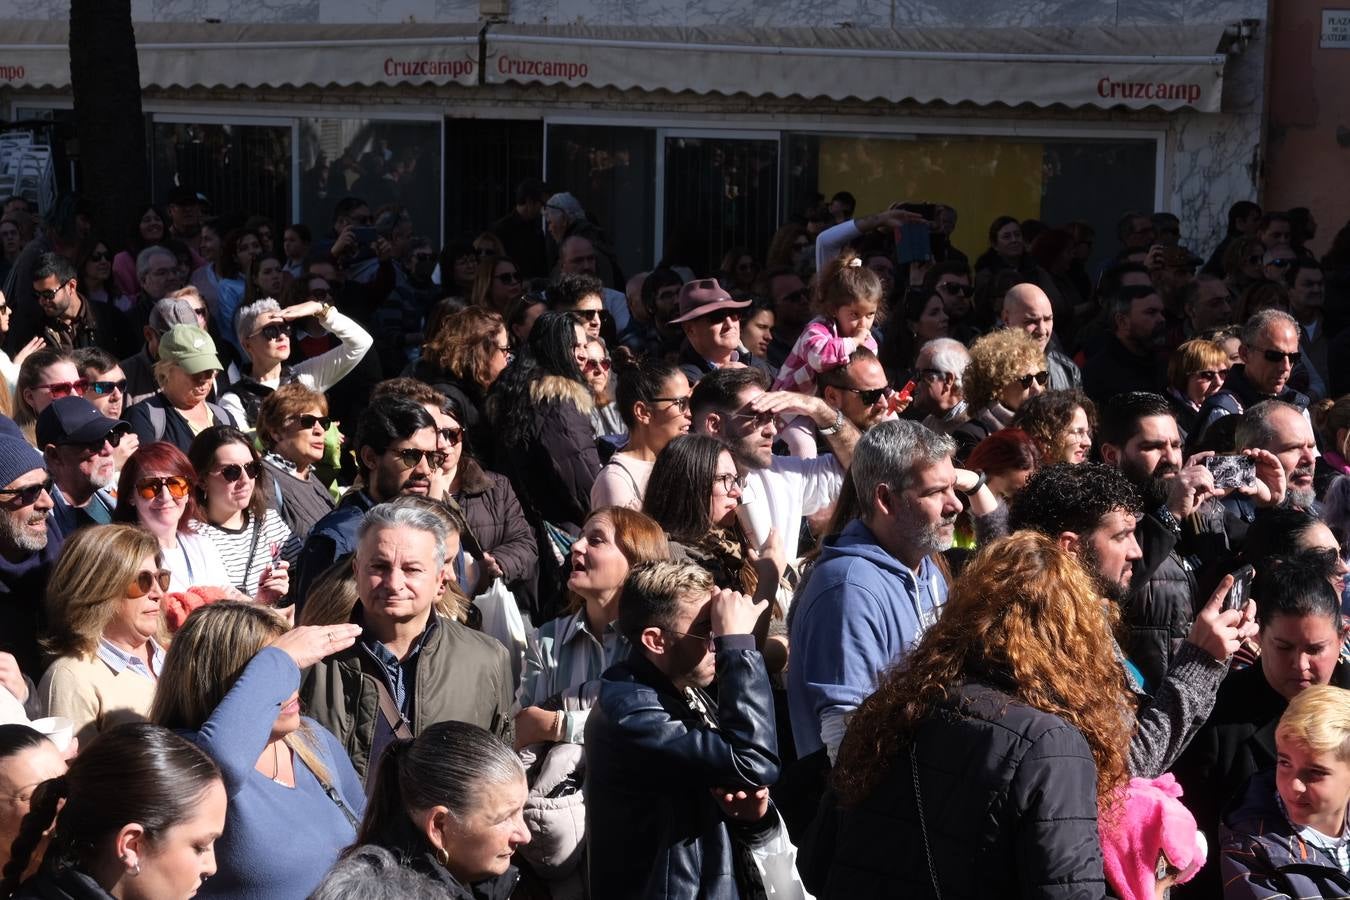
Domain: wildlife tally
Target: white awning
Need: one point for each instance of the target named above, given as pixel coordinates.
(1129, 66)
(36, 54)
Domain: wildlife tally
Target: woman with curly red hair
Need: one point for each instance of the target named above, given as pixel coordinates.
(980, 761)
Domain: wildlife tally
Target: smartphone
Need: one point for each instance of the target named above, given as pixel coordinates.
(914, 243)
(365, 235)
(1231, 471)
(1241, 590)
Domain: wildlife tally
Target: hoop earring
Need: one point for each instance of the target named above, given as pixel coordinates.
(442, 856)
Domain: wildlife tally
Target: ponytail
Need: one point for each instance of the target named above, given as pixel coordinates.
(846, 280)
(41, 814)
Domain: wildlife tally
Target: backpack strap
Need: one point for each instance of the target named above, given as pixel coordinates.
(159, 420)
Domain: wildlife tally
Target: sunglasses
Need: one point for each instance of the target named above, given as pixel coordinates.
(49, 293)
(1041, 378)
(680, 403)
(27, 496)
(597, 365)
(758, 420)
(1210, 375)
(307, 422)
(59, 389)
(234, 472)
(1275, 356)
(274, 332)
(145, 583)
(719, 316)
(590, 315)
(451, 436)
(728, 481)
(100, 256)
(870, 396)
(410, 457)
(149, 488)
(104, 388)
(112, 439)
(508, 277)
(956, 289)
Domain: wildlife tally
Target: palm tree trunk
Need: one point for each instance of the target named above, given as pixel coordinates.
(105, 79)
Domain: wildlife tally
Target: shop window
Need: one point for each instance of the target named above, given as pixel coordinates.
(1056, 180)
(382, 162)
(240, 168)
(720, 193)
(484, 160)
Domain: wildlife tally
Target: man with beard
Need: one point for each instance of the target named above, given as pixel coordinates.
(1269, 351)
(1129, 361)
(1179, 531)
(858, 389)
(1091, 511)
(77, 442)
(736, 405)
(396, 453)
(28, 547)
(1281, 429)
(877, 586)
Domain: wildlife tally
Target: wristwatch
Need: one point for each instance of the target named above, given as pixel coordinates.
(323, 313)
(833, 429)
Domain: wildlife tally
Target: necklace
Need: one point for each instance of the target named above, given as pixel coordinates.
(276, 762)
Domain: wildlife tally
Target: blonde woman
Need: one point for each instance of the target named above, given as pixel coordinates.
(103, 608)
(230, 681)
(185, 373)
(1007, 367)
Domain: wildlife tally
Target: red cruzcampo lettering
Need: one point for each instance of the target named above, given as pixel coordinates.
(1147, 90)
(428, 68)
(542, 68)
(11, 73)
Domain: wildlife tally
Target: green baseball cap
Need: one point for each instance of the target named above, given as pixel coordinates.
(189, 347)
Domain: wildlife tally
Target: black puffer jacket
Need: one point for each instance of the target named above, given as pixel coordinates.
(1009, 802)
(499, 527)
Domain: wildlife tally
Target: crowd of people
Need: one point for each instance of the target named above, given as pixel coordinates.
(344, 567)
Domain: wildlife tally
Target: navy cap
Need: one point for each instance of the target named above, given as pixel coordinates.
(74, 420)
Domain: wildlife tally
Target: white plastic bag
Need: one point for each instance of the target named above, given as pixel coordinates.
(502, 620)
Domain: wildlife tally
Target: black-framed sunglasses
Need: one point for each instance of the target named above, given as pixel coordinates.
(49, 293)
(29, 494)
(233, 472)
(112, 439)
(956, 289)
(869, 396)
(411, 457)
(274, 332)
(680, 403)
(307, 422)
(1276, 356)
(1042, 378)
(451, 436)
(590, 315)
(105, 388)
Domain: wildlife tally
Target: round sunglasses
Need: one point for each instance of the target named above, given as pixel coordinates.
(145, 582)
(233, 472)
(150, 488)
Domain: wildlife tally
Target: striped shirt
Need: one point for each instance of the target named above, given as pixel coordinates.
(561, 657)
(235, 546)
(1338, 848)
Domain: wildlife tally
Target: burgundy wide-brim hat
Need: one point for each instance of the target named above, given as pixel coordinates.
(698, 298)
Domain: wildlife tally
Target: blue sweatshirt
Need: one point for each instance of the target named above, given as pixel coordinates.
(861, 610)
(278, 841)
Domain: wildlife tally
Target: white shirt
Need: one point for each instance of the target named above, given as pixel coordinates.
(193, 562)
(794, 487)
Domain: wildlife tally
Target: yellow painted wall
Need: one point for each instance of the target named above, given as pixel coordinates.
(982, 178)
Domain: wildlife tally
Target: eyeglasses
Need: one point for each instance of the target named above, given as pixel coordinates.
(680, 403)
(729, 481)
(508, 277)
(307, 422)
(1276, 356)
(955, 289)
(597, 365)
(590, 315)
(274, 332)
(49, 293)
(451, 436)
(149, 488)
(100, 256)
(103, 388)
(870, 396)
(145, 583)
(59, 389)
(411, 457)
(320, 293)
(707, 639)
(1210, 375)
(233, 472)
(1041, 378)
(29, 494)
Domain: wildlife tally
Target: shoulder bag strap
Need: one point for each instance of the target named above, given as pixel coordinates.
(923, 826)
(392, 716)
(253, 548)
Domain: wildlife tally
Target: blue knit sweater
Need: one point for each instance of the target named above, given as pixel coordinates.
(278, 841)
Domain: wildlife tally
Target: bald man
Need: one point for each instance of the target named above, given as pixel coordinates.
(1027, 307)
